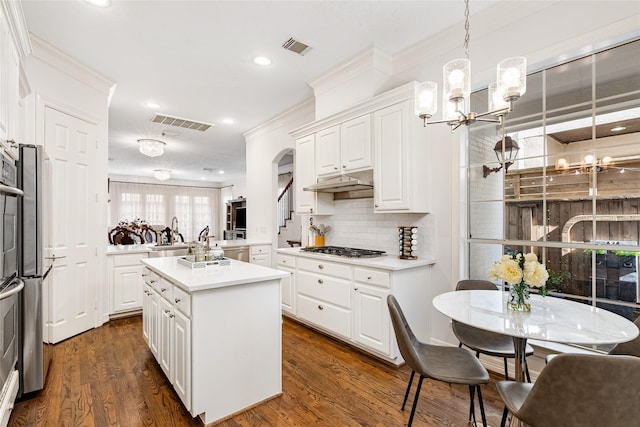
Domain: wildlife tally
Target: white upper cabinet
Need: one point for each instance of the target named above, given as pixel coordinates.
(308, 201)
(401, 175)
(344, 148)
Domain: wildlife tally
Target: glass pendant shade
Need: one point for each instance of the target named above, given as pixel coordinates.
(512, 77)
(496, 98)
(426, 99)
(162, 175)
(151, 147)
(456, 76)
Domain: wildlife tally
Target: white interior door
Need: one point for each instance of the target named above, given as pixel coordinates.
(71, 146)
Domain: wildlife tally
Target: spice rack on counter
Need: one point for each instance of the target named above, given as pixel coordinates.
(408, 242)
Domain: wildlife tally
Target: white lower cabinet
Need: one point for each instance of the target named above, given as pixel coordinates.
(166, 326)
(261, 255)
(126, 281)
(349, 301)
(287, 285)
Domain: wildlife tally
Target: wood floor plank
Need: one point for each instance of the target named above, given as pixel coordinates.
(108, 377)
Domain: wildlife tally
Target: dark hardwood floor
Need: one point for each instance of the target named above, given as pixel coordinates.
(108, 377)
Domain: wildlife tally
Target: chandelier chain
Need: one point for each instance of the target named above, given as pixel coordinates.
(466, 28)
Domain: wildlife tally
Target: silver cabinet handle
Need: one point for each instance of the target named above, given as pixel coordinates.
(171, 316)
(320, 307)
(321, 266)
(152, 281)
(163, 289)
(368, 277)
(144, 275)
(12, 143)
(53, 257)
(320, 281)
(177, 300)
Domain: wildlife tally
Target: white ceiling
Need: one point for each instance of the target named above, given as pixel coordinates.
(194, 59)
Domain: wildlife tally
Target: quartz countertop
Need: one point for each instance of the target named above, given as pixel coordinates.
(213, 276)
(386, 262)
(148, 247)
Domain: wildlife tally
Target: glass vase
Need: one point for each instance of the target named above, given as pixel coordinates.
(519, 298)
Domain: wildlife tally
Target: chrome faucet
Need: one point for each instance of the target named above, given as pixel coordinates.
(174, 229)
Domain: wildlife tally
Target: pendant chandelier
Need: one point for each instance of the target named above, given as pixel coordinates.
(151, 147)
(511, 84)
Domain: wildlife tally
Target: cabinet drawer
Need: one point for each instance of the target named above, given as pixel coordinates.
(286, 260)
(325, 268)
(327, 316)
(326, 288)
(372, 277)
(128, 259)
(260, 250)
(150, 278)
(182, 300)
(165, 289)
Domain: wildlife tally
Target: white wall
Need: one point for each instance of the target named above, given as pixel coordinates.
(537, 30)
(265, 146)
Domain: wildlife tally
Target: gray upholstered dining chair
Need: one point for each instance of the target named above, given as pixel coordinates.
(447, 364)
(578, 390)
(486, 342)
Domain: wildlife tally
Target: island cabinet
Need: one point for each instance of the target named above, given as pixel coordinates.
(215, 332)
(348, 299)
(287, 264)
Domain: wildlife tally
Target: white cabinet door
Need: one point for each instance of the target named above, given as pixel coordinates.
(371, 318)
(287, 291)
(182, 358)
(166, 344)
(261, 255)
(146, 312)
(401, 179)
(127, 288)
(309, 201)
(355, 144)
(155, 310)
(327, 151)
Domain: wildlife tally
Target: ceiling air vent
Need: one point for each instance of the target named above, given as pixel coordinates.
(296, 46)
(180, 122)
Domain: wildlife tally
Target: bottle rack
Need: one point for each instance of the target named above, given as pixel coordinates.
(408, 242)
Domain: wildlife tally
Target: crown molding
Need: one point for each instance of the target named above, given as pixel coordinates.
(17, 26)
(292, 114)
(58, 59)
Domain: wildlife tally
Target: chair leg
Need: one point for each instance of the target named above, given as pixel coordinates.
(406, 394)
(504, 417)
(484, 418)
(415, 401)
(472, 412)
(506, 370)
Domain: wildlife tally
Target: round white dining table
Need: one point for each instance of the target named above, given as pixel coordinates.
(550, 319)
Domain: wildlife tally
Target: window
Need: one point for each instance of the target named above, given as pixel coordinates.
(194, 207)
(572, 195)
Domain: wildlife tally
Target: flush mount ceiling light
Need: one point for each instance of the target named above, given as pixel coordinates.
(511, 84)
(151, 147)
(99, 3)
(161, 174)
(262, 60)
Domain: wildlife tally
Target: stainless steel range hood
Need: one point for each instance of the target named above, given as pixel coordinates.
(340, 184)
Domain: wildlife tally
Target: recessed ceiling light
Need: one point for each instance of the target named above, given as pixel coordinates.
(618, 129)
(228, 121)
(221, 172)
(262, 60)
(153, 105)
(99, 3)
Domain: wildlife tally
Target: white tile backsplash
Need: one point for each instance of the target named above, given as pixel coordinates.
(355, 225)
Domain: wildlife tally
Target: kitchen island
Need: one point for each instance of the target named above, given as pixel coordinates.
(216, 333)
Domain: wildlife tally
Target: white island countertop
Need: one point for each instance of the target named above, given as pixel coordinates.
(213, 276)
(386, 262)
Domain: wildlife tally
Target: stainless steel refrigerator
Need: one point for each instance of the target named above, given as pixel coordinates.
(35, 355)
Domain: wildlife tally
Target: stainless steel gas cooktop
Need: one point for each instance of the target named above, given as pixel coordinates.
(344, 252)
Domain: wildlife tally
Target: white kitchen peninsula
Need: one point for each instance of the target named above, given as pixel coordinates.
(216, 333)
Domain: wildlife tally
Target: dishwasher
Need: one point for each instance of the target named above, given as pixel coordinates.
(241, 253)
